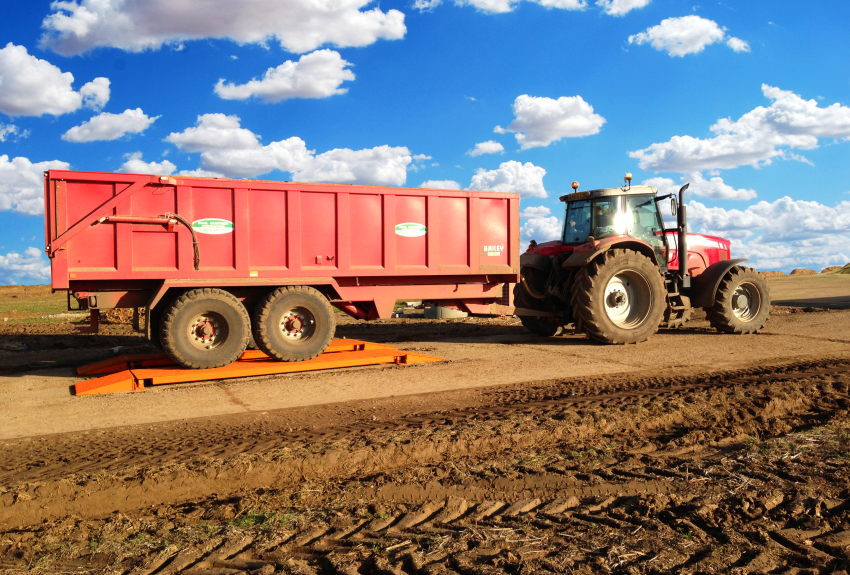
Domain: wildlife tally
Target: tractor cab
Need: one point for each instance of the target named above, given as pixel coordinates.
(627, 212)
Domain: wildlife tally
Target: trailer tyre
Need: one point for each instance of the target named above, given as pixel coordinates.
(205, 328)
(619, 298)
(294, 323)
(741, 304)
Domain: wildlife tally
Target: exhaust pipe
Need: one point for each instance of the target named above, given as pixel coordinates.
(682, 221)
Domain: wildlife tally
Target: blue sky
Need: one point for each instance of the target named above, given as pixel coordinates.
(748, 101)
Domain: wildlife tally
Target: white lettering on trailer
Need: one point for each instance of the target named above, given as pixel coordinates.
(494, 250)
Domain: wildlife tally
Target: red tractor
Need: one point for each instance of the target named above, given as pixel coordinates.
(617, 274)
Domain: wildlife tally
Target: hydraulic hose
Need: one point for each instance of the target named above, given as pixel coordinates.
(194, 237)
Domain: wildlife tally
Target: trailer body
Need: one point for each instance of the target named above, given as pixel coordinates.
(134, 241)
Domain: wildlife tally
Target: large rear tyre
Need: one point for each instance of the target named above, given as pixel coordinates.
(619, 298)
(542, 326)
(294, 323)
(205, 328)
(741, 304)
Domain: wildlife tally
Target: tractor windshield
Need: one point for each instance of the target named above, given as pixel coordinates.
(599, 218)
(646, 223)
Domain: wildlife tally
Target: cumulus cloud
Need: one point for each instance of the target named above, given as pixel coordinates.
(426, 5)
(315, 75)
(107, 127)
(541, 121)
(382, 165)
(488, 147)
(686, 35)
(540, 225)
(754, 139)
(229, 149)
(22, 184)
(199, 174)
(31, 266)
(714, 188)
(524, 179)
(621, 7)
(33, 87)
(76, 26)
(135, 165)
(782, 234)
(441, 185)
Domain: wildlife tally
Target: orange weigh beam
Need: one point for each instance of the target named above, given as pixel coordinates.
(112, 383)
(255, 368)
(123, 362)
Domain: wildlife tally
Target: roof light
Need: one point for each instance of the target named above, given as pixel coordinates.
(575, 185)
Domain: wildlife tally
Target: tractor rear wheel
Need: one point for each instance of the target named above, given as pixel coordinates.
(542, 326)
(741, 304)
(205, 328)
(619, 298)
(294, 323)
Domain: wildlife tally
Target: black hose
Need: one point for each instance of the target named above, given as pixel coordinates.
(194, 238)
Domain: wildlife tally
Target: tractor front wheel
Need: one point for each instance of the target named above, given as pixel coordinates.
(741, 304)
(619, 298)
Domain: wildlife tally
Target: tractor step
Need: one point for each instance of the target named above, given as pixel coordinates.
(136, 372)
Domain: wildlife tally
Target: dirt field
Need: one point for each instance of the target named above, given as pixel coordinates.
(693, 452)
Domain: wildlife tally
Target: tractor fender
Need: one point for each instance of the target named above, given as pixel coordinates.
(704, 286)
(586, 255)
(535, 261)
(578, 259)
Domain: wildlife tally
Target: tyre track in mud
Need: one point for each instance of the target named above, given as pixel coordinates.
(771, 505)
(49, 457)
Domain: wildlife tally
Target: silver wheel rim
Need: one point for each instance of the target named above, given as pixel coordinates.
(746, 301)
(628, 299)
(297, 324)
(207, 331)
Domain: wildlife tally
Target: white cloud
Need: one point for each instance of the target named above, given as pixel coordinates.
(541, 121)
(540, 225)
(685, 35)
(382, 165)
(753, 139)
(502, 6)
(315, 75)
(31, 266)
(441, 185)
(9, 130)
(783, 234)
(227, 148)
(738, 45)
(33, 87)
(488, 147)
(199, 174)
(135, 165)
(107, 127)
(620, 7)
(525, 179)
(714, 188)
(426, 5)
(22, 184)
(76, 26)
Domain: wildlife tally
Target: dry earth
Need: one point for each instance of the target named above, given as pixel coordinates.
(693, 453)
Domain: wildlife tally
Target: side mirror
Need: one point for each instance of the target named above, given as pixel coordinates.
(673, 206)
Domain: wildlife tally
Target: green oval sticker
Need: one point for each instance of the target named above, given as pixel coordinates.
(214, 226)
(410, 230)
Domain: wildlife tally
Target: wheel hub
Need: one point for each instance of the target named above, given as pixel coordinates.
(746, 302)
(207, 330)
(627, 299)
(297, 324)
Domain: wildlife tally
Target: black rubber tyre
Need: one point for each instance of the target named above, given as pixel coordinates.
(205, 328)
(541, 326)
(619, 298)
(741, 304)
(294, 323)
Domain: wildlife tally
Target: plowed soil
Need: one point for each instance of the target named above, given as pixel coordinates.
(732, 456)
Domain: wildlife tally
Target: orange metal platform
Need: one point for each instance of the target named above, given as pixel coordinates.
(134, 372)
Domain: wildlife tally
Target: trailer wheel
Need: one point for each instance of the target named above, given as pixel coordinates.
(205, 328)
(741, 304)
(541, 326)
(619, 298)
(294, 323)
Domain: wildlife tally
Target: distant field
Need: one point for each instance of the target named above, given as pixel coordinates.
(821, 290)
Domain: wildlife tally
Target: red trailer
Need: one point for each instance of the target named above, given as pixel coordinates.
(214, 260)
